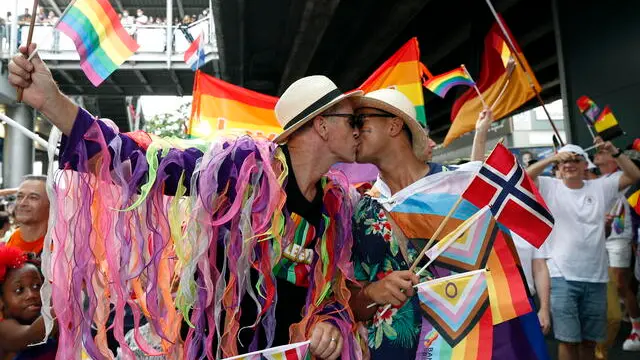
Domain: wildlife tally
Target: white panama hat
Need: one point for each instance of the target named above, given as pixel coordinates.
(305, 99)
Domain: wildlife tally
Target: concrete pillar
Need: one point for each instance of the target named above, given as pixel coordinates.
(18, 149)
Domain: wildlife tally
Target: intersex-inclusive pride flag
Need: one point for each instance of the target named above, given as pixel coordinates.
(100, 39)
(441, 84)
(297, 351)
(402, 71)
(468, 247)
(503, 82)
(457, 310)
(219, 106)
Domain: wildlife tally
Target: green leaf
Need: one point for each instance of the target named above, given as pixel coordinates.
(389, 331)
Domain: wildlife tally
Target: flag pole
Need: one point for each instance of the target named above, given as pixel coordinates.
(475, 86)
(34, 12)
(517, 55)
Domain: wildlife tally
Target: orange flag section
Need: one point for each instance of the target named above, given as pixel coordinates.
(503, 82)
(219, 107)
(404, 72)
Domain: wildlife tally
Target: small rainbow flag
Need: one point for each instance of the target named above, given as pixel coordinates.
(607, 126)
(507, 292)
(441, 84)
(588, 109)
(403, 71)
(100, 39)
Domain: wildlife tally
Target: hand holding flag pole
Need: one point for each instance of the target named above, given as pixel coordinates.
(34, 13)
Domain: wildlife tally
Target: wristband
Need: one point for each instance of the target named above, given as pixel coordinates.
(617, 155)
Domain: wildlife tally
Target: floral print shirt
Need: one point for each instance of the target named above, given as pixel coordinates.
(377, 253)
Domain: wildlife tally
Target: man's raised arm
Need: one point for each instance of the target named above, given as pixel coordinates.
(40, 91)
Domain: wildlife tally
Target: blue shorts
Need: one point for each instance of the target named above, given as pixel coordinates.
(578, 310)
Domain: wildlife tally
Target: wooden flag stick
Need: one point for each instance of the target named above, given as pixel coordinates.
(593, 146)
(484, 103)
(34, 12)
(514, 51)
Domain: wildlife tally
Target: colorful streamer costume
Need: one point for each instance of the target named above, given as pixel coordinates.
(212, 235)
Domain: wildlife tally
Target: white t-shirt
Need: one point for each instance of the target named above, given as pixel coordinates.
(527, 254)
(576, 246)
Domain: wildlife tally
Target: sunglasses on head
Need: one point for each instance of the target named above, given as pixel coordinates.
(357, 121)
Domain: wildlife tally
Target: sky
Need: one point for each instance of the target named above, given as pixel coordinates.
(154, 105)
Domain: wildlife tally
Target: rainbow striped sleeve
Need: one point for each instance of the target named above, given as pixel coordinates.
(441, 84)
(100, 39)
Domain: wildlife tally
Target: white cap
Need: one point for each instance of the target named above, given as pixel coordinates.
(578, 151)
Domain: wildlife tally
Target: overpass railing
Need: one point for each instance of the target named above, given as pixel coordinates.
(55, 45)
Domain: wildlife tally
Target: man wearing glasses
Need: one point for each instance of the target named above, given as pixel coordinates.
(392, 139)
(309, 265)
(576, 247)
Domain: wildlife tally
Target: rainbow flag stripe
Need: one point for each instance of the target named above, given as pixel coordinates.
(222, 107)
(402, 71)
(100, 39)
(441, 84)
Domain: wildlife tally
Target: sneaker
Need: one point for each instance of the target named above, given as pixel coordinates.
(632, 343)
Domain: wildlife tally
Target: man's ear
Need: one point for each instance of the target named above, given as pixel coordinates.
(395, 126)
(320, 126)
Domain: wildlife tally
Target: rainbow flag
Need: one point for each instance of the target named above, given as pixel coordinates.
(509, 298)
(468, 247)
(588, 108)
(402, 71)
(297, 351)
(100, 39)
(607, 126)
(441, 84)
(457, 318)
(222, 107)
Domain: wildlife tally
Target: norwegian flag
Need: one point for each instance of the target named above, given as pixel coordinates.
(194, 56)
(512, 196)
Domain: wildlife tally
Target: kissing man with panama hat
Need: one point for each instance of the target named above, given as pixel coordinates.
(320, 129)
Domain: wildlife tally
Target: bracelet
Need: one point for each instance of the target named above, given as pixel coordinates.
(617, 155)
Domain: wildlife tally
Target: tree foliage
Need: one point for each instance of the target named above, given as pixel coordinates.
(173, 124)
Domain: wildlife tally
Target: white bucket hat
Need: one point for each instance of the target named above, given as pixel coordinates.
(396, 103)
(578, 151)
(305, 99)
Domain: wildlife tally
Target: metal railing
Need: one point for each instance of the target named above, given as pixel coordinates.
(151, 38)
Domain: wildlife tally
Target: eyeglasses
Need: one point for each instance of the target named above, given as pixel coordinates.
(357, 121)
(353, 120)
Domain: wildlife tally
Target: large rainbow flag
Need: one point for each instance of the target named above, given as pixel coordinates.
(100, 39)
(219, 106)
(404, 72)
